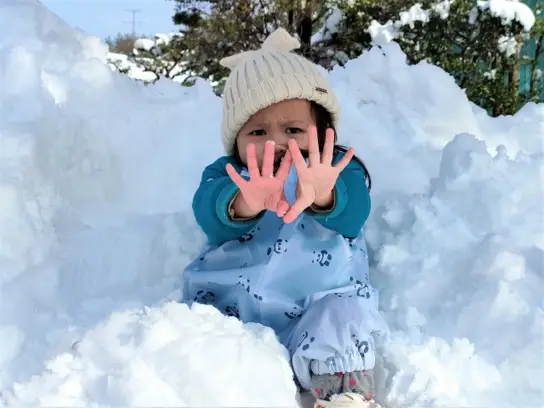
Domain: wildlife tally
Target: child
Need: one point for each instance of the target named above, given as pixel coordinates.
(283, 213)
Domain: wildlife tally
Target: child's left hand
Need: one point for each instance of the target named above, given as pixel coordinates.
(316, 182)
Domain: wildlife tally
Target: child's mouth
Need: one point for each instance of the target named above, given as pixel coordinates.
(280, 154)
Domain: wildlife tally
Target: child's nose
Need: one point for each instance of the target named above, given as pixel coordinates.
(280, 139)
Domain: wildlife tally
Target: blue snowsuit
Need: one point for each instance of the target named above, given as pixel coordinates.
(307, 280)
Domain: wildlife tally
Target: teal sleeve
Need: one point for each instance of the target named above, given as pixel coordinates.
(211, 201)
(352, 202)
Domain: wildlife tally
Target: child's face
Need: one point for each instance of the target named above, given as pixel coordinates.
(279, 122)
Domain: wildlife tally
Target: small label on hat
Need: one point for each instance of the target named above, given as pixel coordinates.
(320, 89)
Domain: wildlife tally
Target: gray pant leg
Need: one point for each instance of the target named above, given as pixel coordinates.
(335, 334)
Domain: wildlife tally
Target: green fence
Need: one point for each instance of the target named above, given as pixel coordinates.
(528, 49)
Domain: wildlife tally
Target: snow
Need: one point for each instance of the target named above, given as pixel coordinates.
(509, 10)
(414, 13)
(508, 45)
(144, 348)
(155, 65)
(491, 74)
(128, 65)
(442, 8)
(146, 44)
(330, 25)
(382, 34)
(97, 173)
(165, 39)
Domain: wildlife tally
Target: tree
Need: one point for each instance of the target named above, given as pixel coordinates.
(122, 43)
(163, 56)
(216, 29)
(472, 41)
(152, 58)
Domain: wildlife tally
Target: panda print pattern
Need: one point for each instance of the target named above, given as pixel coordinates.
(302, 280)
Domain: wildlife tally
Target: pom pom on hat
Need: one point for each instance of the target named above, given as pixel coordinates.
(278, 40)
(271, 74)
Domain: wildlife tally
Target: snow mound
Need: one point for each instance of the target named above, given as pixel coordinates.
(97, 174)
(468, 256)
(456, 233)
(139, 358)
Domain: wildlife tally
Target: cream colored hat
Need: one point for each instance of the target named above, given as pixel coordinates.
(269, 75)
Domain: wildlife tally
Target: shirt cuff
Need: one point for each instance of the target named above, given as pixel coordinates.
(224, 208)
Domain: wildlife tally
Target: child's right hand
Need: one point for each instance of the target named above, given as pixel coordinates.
(264, 190)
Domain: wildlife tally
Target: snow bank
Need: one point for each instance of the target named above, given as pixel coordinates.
(97, 173)
(167, 356)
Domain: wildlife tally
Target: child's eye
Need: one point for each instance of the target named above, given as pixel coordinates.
(293, 130)
(258, 132)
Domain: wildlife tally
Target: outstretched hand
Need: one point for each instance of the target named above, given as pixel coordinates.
(316, 181)
(264, 190)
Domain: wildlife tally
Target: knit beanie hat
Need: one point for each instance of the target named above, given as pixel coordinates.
(266, 76)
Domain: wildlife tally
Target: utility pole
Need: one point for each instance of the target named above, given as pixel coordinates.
(133, 22)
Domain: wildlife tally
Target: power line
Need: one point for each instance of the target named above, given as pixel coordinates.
(133, 22)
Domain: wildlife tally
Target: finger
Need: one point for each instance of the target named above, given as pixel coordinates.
(328, 149)
(298, 160)
(285, 166)
(341, 165)
(296, 209)
(235, 177)
(313, 146)
(283, 207)
(252, 166)
(268, 159)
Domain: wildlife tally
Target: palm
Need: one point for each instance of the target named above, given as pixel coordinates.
(316, 181)
(263, 193)
(264, 189)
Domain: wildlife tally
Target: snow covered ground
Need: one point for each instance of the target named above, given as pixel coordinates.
(97, 173)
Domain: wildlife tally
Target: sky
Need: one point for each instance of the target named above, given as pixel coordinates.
(103, 18)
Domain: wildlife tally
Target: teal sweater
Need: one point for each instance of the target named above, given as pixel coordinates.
(216, 190)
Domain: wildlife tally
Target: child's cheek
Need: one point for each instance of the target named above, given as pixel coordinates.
(302, 141)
